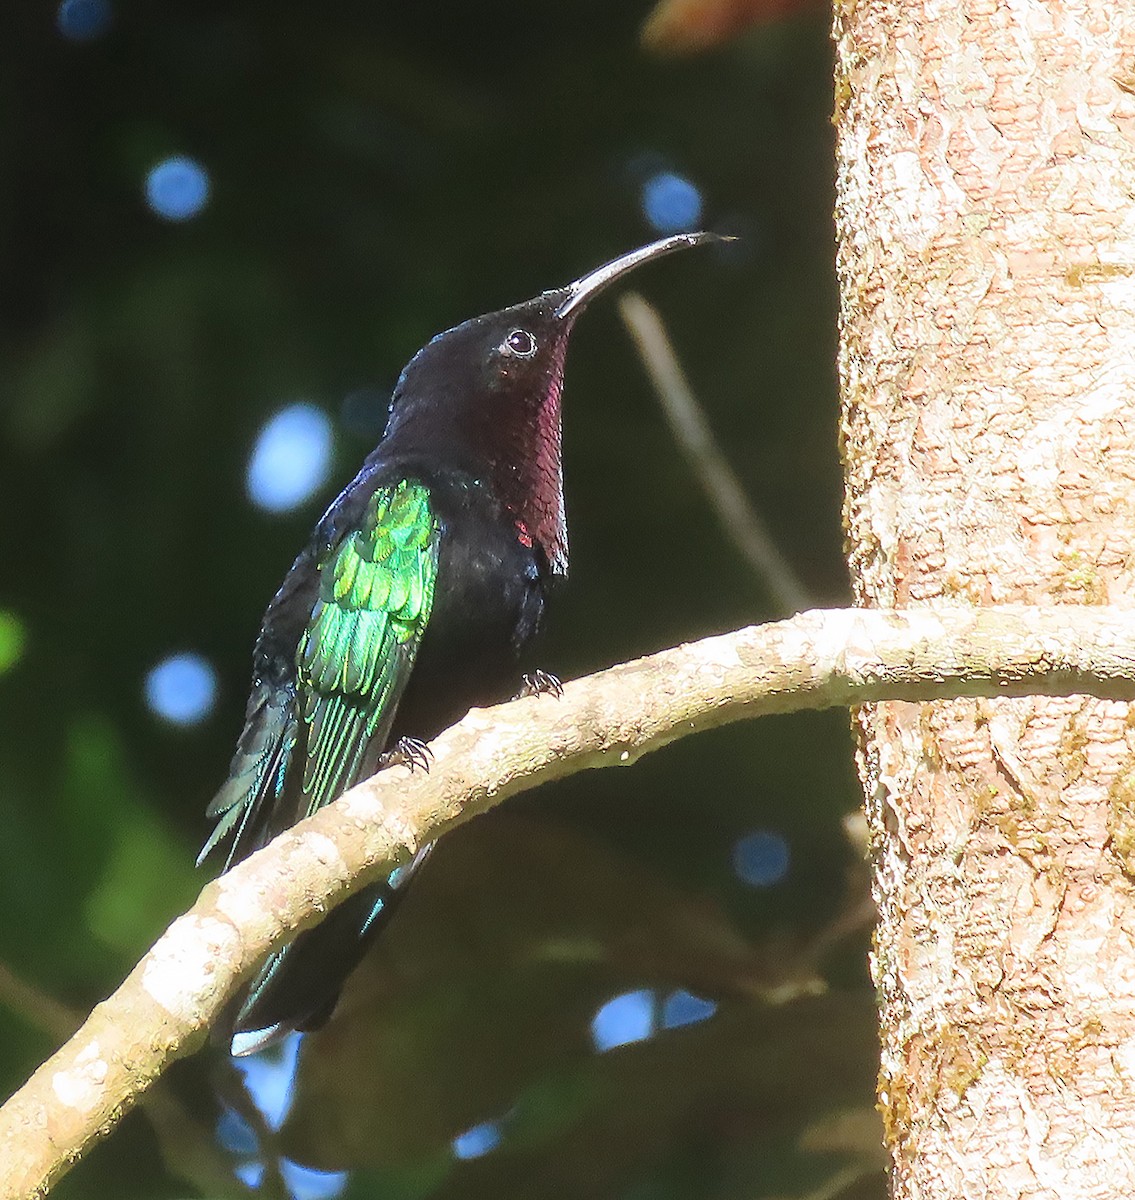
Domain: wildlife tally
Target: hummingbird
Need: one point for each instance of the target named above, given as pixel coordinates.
(416, 598)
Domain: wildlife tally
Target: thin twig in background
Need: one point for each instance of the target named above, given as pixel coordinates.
(39, 1010)
(857, 913)
(696, 441)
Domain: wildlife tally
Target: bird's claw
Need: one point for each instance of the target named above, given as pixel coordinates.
(539, 683)
(407, 752)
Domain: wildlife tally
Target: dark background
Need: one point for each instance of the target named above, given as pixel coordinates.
(377, 172)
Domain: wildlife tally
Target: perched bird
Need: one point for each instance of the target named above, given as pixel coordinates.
(421, 587)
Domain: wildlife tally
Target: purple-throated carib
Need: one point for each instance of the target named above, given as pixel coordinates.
(416, 598)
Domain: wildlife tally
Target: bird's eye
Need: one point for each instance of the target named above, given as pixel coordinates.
(521, 343)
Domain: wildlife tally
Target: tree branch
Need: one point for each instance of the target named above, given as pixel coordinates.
(816, 660)
(186, 1148)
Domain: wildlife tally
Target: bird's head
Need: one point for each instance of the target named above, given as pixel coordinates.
(485, 396)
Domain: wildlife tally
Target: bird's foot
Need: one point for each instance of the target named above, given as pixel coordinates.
(539, 683)
(408, 752)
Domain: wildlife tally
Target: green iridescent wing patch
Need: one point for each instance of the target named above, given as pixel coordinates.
(304, 744)
(376, 592)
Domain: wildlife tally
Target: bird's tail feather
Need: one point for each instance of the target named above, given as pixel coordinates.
(299, 985)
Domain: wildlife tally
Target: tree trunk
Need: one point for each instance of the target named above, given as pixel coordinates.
(987, 273)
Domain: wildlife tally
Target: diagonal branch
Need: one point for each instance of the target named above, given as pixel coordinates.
(691, 429)
(186, 1148)
(816, 660)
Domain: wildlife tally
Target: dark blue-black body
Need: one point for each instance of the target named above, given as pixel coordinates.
(417, 598)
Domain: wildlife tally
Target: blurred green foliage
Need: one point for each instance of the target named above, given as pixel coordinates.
(377, 173)
(12, 638)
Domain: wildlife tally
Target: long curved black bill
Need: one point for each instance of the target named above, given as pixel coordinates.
(591, 284)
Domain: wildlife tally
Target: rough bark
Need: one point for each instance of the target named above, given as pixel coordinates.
(816, 660)
(987, 271)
